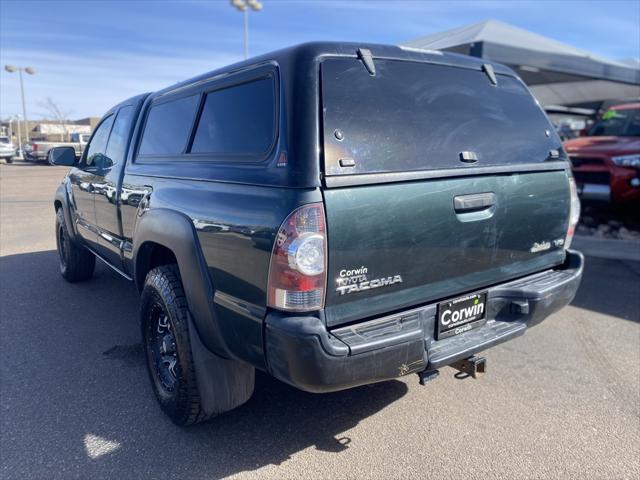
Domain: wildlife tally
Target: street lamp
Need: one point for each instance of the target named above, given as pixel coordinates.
(244, 6)
(20, 152)
(30, 71)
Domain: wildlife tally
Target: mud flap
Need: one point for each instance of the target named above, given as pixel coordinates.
(223, 384)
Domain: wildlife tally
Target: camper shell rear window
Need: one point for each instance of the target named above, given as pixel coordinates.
(420, 116)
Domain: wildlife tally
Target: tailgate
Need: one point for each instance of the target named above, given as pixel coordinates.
(409, 219)
(397, 245)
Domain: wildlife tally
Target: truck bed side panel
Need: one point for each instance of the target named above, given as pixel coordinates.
(235, 225)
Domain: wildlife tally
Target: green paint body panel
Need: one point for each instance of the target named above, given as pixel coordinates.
(411, 229)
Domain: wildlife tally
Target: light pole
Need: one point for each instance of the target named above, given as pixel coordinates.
(20, 153)
(244, 6)
(30, 71)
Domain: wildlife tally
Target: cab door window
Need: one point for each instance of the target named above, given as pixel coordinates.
(118, 139)
(98, 144)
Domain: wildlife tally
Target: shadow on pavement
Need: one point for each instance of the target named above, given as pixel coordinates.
(76, 400)
(611, 287)
(25, 163)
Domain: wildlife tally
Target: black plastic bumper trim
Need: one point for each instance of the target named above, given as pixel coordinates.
(302, 352)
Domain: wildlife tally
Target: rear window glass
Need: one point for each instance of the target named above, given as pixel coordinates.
(417, 116)
(168, 127)
(238, 120)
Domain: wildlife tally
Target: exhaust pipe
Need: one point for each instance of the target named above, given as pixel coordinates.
(472, 366)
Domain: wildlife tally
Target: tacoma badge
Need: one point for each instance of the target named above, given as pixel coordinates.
(356, 280)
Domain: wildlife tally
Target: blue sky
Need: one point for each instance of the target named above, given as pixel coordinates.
(91, 54)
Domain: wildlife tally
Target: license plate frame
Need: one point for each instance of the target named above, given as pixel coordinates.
(471, 313)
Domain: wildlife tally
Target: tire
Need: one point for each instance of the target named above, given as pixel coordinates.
(8, 160)
(165, 331)
(76, 263)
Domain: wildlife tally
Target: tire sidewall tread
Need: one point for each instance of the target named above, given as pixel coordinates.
(79, 262)
(163, 285)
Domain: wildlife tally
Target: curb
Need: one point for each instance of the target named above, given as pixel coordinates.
(607, 248)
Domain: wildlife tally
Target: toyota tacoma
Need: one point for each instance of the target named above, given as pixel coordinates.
(332, 214)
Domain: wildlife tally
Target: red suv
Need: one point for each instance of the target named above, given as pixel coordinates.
(606, 162)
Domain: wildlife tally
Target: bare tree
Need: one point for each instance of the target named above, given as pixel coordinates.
(58, 114)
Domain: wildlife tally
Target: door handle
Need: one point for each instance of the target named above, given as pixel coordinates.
(474, 202)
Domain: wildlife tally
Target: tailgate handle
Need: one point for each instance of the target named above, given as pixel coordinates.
(474, 202)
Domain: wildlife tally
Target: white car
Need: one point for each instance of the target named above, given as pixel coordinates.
(7, 149)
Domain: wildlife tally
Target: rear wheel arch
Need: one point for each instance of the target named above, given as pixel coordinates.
(163, 236)
(151, 255)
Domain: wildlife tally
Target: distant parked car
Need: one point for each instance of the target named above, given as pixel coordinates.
(606, 162)
(38, 150)
(7, 149)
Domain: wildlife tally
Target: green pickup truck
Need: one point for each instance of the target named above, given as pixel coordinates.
(333, 214)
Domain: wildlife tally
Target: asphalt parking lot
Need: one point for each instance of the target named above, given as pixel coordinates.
(561, 402)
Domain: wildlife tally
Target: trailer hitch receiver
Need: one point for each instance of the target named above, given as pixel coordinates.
(472, 366)
(427, 375)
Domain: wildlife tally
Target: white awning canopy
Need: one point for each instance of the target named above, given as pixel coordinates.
(557, 73)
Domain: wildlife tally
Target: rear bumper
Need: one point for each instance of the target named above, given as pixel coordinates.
(35, 156)
(302, 352)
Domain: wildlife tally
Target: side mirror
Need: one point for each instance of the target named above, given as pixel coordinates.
(102, 162)
(65, 156)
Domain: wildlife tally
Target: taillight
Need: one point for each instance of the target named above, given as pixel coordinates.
(34, 147)
(297, 275)
(574, 212)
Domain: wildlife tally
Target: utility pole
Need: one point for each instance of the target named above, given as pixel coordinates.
(245, 14)
(20, 153)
